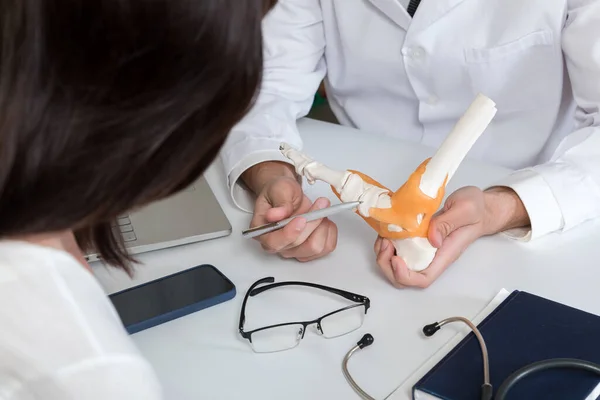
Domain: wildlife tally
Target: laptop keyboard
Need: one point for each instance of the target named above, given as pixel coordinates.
(126, 228)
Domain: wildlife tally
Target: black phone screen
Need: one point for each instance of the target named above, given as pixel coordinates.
(170, 293)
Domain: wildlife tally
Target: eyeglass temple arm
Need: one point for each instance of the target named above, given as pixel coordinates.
(255, 284)
(348, 295)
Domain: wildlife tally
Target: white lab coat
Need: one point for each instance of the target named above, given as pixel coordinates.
(539, 60)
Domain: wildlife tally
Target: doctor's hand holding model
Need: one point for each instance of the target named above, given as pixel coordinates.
(412, 76)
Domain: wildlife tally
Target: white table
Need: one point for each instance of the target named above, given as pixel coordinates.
(203, 356)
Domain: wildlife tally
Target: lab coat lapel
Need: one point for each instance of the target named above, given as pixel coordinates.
(430, 11)
(394, 11)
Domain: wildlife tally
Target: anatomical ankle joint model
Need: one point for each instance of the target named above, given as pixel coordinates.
(403, 216)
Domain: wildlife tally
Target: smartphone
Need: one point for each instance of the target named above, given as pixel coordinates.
(173, 296)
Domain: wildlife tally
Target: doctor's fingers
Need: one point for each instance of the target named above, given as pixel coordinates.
(385, 255)
(278, 201)
(452, 248)
(378, 243)
(319, 244)
(293, 234)
(395, 270)
(281, 198)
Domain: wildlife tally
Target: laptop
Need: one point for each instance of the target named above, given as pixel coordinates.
(192, 215)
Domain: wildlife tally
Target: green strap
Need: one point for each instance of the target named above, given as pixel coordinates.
(318, 100)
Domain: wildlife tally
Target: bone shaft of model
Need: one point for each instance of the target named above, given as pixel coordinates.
(323, 173)
(313, 170)
(457, 144)
(351, 187)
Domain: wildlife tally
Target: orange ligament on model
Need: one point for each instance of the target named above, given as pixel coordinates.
(408, 202)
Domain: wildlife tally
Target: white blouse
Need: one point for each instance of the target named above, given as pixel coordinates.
(60, 336)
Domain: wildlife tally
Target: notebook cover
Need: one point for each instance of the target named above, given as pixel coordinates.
(523, 329)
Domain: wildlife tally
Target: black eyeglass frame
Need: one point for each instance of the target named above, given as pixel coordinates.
(254, 290)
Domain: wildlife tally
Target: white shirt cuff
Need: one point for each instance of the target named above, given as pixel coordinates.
(539, 201)
(243, 197)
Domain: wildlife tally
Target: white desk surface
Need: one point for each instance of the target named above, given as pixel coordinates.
(202, 356)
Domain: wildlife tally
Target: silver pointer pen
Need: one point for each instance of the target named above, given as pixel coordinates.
(310, 216)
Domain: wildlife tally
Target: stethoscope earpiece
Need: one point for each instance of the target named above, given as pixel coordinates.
(431, 329)
(365, 341)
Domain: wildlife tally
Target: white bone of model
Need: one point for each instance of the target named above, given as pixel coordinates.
(416, 252)
(350, 186)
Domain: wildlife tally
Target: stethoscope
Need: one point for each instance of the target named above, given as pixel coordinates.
(486, 388)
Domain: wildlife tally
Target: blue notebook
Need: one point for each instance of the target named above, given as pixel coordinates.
(523, 329)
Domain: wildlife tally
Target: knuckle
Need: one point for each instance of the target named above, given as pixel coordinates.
(296, 244)
(270, 244)
(331, 246)
(334, 234)
(331, 243)
(291, 237)
(397, 284)
(267, 248)
(296, 240)
(316, 245)
(424, 284)
(286, 255)
(446, 226)
(471, 208)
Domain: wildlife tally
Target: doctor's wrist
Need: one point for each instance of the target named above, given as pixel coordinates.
(257, 176)
(504, 210)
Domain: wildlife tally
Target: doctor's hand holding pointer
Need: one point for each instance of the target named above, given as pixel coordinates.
(279, 196)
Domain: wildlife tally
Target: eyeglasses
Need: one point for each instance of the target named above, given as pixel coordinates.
(286, 336)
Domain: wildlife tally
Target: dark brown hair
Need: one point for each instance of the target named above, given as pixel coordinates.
(107, 105)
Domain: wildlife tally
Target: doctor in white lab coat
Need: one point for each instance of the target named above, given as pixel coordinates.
(539, 60)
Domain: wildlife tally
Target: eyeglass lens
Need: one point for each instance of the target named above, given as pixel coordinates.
(343, 322)
(277, 338)
(285, 337)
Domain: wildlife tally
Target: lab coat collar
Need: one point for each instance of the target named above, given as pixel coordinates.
(394, 11)
(428, 12)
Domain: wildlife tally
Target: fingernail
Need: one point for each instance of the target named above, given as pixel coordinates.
(395, 267)
(437, 235)
(322, 203)
(384, 245)
(301, 224)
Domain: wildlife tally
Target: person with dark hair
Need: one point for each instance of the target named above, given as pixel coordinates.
(105, 106)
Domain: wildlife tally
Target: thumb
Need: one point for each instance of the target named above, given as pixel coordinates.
(284, 198)
(444, 223)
